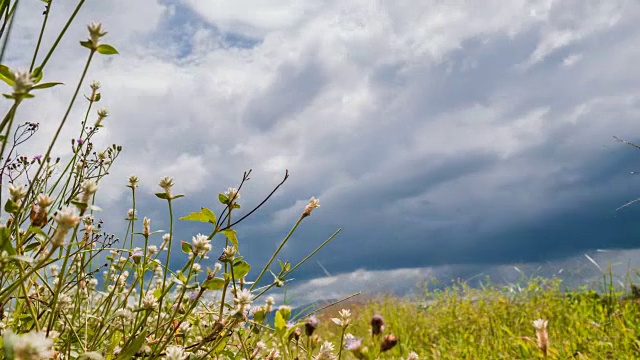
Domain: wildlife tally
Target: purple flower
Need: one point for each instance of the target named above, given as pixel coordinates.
(37, 157)
(80, 141)
(352, 344)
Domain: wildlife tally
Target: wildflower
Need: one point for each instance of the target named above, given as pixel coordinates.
(22, 82)
(313, 204)
(92, 283)
(95, 33)
(243, 300)
(146, 227)
(388, 342)
(351, 343)
(412, 356)
(33, 345)
(269, 304)
(66, 219)
(377, 324)
(197, 267)
(228, 254)
(80, 141)
(166, 183)
(174, 352)
(37, 157)
(273, 354)
(232, 194)
(152, 250)
(310, 325)
(149, 302)
(89, 187)
(133, 181)
(137, 255)
(344, 319)
(542, 334)
(201, 244)
(165, 241)
(217, 267)
(95, 85)
(102, 113)
(326, 352)
(17, 192)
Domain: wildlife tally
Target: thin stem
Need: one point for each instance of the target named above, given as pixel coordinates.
(44, 24)
(284, 241)
(12, 15)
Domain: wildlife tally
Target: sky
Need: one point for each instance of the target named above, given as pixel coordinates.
(445, 138)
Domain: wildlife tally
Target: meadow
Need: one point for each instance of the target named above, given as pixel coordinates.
(72, 287)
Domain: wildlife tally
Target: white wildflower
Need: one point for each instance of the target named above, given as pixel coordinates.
(33, 345)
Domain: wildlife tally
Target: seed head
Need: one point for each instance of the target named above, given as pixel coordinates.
(542, 334)
(388, 342)
(146, 227)
(313, 204)
(377, 324)
(311, 325)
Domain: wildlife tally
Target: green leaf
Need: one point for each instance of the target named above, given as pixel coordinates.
(36, 75)
(6, 75)
(32, 246)
(186, 247)
(224, 200)
(88, 44)
(280, 322)
(177, 197)
(38, 231)
(46, 85)
(22, 258)
(241, 269)
(91, 356)
(11, 207)
(133, 348)
(213, 284)
(205, 215)
(210, 215)
(231, 236)
(163, 196)
(80, 205)
(106, 49)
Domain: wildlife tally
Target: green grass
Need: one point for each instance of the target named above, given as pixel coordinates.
(494, 322)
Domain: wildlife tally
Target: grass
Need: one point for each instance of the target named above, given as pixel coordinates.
(496, 322)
